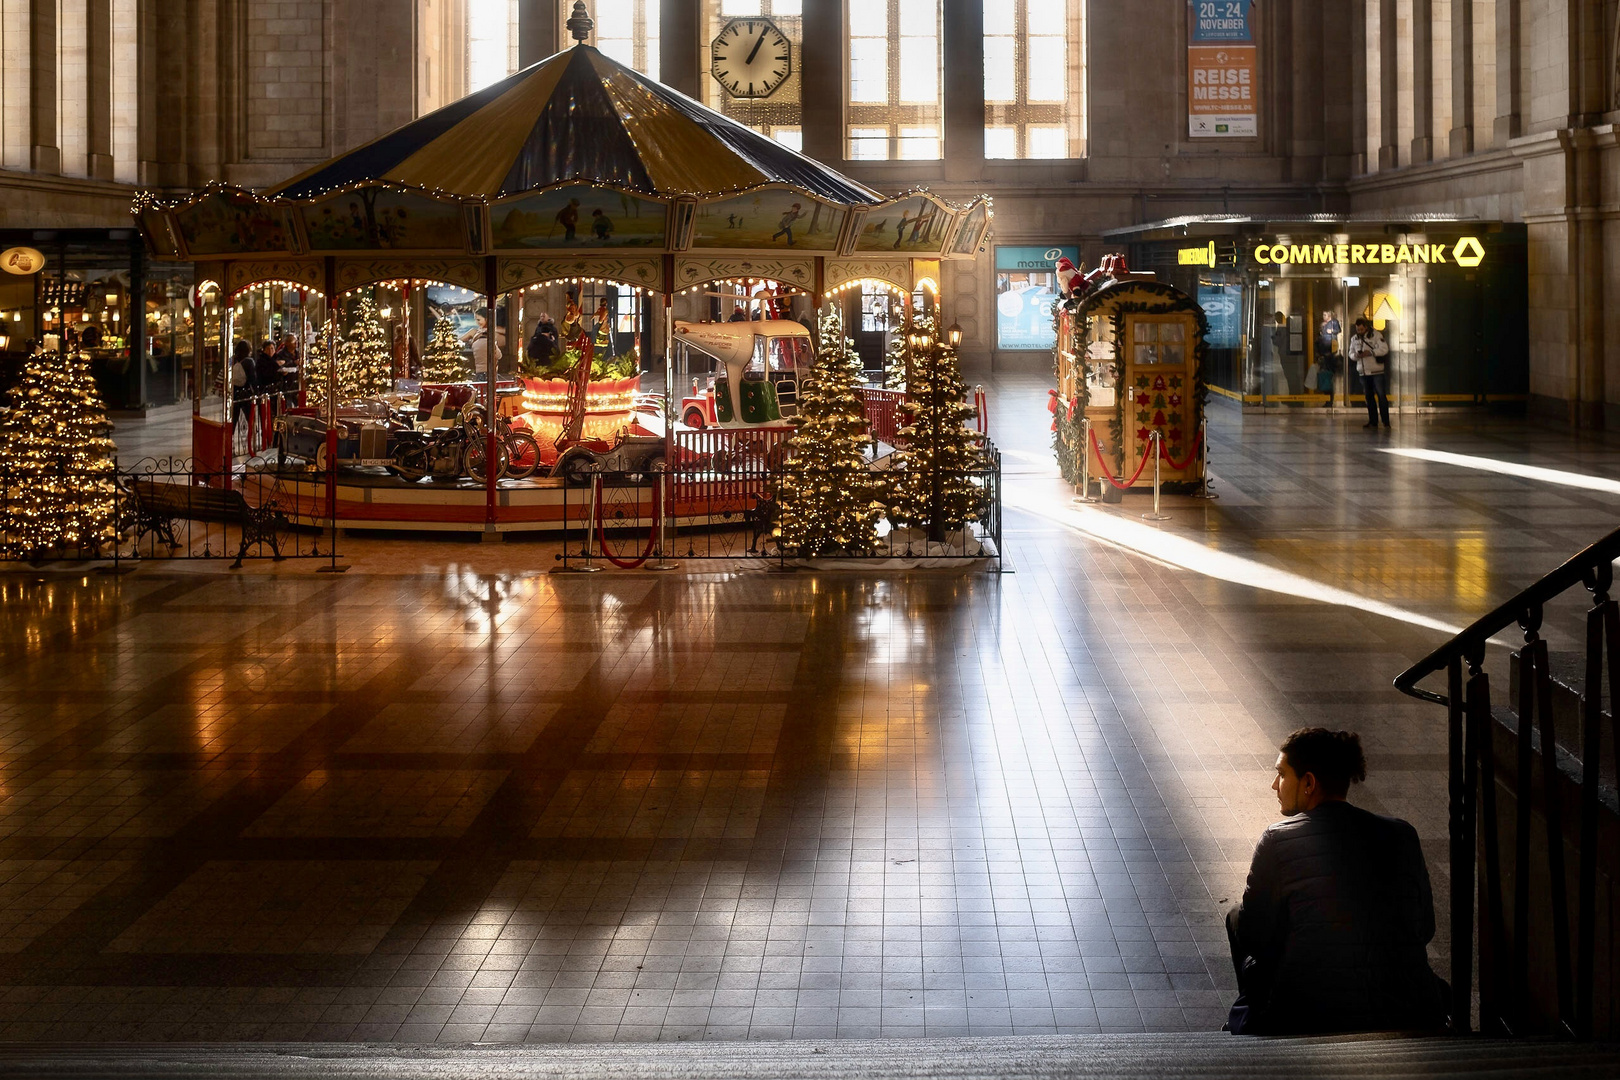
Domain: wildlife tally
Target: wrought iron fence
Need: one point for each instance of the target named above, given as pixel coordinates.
(720, 497)
(155, 508)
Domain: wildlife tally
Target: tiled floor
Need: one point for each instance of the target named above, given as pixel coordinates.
(446, 796)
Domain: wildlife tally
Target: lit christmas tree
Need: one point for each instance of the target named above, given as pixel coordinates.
(317, 364)
(932, 482)
(443, 361)
(57, 461)
(899, 355)
(365, 361)
(829, 504)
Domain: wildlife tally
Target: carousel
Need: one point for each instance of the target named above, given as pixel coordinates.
(545, 233)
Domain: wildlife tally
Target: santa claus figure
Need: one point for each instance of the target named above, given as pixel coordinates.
(1068, 276)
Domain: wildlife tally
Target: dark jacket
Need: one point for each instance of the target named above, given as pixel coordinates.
(543, 342)
(1336, 917)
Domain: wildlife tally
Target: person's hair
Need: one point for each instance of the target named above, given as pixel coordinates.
(1363, 322)
(240, 349)
(1333, 757)
(1278, 316)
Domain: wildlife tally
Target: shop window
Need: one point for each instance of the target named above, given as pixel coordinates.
(1033, 76)
(893, 109)
(878, 314)
(781, 115)
(15, 59)
(1026, 287)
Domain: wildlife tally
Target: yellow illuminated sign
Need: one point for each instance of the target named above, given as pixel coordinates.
(1468, 252)
(1198, 256)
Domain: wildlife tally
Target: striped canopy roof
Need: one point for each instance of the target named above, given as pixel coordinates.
(578, 115)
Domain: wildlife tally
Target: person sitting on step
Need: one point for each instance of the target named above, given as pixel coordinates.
(1332, 932)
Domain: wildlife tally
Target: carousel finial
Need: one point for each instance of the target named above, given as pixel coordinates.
(579, 23)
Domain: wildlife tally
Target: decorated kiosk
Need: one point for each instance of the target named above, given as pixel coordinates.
(576, 187)
(1130, 384)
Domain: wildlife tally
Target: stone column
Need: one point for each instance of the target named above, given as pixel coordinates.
(963, 89)
(1422, 82)
(203, 151)
(1358, 87)
(1389, 119)
(1462, 78)
(1306, 138)
(822, 59)
(1507, 71)
(538, 21)
(98, 63)
(44, 155)
(680, 46)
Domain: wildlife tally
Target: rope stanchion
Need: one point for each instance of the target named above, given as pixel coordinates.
(1192, 455)
(652, 532)
(1085, 463)
(1107, 473)
(1157, 438)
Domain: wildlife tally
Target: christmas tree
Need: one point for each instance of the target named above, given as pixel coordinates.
(56, 460)
(318, 365)
(828, 498)
(898, 359)
(365, 362)
(443, 361)
(933, 478)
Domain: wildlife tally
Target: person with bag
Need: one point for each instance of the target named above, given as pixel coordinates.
(244, 378)
(1368, 350)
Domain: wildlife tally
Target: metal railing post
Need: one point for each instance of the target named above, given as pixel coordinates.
(1155, 447)
(664, 488)
(1203, 453)
(1085, 462)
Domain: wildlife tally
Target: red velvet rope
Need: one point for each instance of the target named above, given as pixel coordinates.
(1192, 455)
(1108, 473)
(652, 530)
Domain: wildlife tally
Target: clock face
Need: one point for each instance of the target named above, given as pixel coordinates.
(750, 58)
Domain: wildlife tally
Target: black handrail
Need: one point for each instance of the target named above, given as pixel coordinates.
(1471, 641)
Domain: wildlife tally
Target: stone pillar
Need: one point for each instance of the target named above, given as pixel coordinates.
(963, 89)
(98, 63)
(44, 155)
(1462, 78)
(1507, 71)
(538, 24)
(1307, 137)
(1389, 102)
(680, 46)
(823, 82)
(203, 152)
(164, 29)
(1422, 82)
(1358, 87)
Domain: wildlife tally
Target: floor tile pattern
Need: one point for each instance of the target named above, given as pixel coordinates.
(448, 797)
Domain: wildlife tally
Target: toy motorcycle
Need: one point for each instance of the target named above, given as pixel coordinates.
(445, 453)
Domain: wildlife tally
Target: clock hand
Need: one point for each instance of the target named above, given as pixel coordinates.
(755, 50)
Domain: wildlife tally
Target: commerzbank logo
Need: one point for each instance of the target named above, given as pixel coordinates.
(1468, 252)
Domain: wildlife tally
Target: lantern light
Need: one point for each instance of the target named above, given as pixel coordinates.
(954, 334)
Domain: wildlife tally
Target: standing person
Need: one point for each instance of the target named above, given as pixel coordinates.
(1337, 915)
(543, 342)
(568, 218)
(785, 226)
(266, 372)
(243, 373)
(1327, 355)
(1279, 350)
(1367, 350)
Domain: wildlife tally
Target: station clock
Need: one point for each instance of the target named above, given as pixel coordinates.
(751, 58)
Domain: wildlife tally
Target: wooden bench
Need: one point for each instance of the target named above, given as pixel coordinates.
(160, 503)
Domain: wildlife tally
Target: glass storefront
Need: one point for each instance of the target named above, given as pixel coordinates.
(100, 295)
(1026, 286)
(1282, 296)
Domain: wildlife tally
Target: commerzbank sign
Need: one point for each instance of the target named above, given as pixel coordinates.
(1466, 252)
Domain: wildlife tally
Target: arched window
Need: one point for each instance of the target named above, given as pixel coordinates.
(1033, 79)
(893, 100)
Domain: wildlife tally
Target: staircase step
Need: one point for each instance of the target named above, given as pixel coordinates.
(1203, 1056)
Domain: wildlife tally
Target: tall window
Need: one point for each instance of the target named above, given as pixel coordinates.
(779, 116)
(492, 42)
(1032, 79)
(626, 30)
(16, 136)
(894, 75)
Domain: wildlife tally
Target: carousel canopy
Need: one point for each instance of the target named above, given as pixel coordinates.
(579, 116)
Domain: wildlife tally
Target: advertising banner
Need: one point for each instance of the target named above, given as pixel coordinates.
(1222, 67)
(1222, 302)
(1026, 286)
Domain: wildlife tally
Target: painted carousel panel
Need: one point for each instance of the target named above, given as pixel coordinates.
(226, 222)
(579, 216)
(384, 219)
(778, 218)
(913, 224)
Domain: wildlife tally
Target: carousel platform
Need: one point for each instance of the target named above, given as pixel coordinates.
(367, 499)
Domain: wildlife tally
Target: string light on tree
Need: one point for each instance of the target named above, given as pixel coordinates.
(365, 361)
(935, 468)
(443, 360)
(58, 461)
(829, 501)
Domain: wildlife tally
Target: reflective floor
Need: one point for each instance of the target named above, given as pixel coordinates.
(446, 796)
